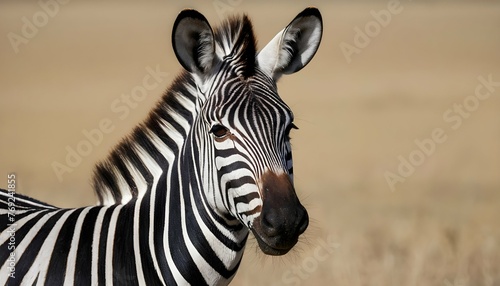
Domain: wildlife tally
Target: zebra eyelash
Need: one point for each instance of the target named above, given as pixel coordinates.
(289, 129)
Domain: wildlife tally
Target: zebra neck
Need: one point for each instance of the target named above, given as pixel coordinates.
(200, 246)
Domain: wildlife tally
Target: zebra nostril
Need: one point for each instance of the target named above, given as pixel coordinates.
(270, 223)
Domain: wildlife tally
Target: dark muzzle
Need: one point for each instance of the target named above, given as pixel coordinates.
(282, 219)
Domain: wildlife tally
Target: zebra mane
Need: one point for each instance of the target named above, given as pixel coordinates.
(117, 178)
(236, 39)
(126, 171)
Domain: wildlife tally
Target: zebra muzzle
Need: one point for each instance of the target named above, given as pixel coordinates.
(283, 218)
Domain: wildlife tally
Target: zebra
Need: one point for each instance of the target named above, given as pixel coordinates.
(179, 196)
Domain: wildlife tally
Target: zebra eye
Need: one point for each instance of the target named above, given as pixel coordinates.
(219, 131)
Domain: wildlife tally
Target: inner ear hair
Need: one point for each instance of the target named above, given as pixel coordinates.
(193, 41)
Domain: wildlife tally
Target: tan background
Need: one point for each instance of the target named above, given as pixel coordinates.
(439, 227)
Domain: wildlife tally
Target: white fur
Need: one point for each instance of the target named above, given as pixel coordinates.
(275, 60)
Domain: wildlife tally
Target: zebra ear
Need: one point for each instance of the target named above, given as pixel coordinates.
(292, 48)
(193, 41)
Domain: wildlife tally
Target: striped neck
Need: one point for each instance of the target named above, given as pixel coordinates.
(200, 243)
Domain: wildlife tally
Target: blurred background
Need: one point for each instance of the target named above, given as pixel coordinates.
(398, 154)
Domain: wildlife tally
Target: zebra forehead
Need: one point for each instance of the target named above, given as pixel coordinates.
(267, 121)
(235, 40)
(250, 101)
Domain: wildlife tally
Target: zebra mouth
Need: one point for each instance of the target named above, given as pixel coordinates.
(274, 249)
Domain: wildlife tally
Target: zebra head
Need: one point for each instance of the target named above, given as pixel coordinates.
(243, 125)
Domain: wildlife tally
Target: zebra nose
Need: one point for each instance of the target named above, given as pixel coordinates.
(284, 221)
(270, 223)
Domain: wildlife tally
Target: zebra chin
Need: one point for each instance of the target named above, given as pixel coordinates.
(282, 219)
(275, 249)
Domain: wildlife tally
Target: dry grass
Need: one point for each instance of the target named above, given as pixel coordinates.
(440, 227)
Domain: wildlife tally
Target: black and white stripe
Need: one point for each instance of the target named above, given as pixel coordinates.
(179, 195)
